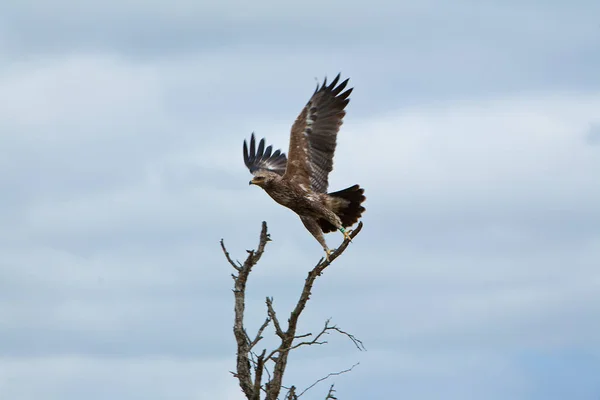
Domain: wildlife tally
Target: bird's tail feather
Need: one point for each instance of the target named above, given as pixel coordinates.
(347, 205)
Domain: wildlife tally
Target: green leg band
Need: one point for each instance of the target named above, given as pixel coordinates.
(342, 230)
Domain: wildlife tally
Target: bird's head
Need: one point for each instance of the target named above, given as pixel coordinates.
(263, 179)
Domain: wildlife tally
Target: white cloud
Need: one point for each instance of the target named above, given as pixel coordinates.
(120, 176)
(113, 377)
(518, 142)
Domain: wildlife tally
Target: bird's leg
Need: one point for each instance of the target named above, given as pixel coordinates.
(328, 253)
(346, 234)
(337, 222)
(313, 227)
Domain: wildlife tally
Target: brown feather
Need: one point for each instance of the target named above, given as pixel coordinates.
(313, 136)
(347, 205)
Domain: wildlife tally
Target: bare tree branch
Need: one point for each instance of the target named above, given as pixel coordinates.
(325, 331)
(327, 377)
(291, 394)
(244, 372)
(237, 267)
(330, 395)
(260, 332)
(357, 342)
(273, 317)
(274, 385)
(258, 371)
(250, 366)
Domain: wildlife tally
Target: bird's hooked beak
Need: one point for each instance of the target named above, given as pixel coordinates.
(252, 182)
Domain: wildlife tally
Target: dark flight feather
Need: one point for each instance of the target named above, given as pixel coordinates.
(314, 135)
(262, 159)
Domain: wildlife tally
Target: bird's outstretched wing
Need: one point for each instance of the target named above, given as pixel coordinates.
(263, 159)
(313, 136)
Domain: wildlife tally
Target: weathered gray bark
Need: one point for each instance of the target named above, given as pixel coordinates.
(250, 366)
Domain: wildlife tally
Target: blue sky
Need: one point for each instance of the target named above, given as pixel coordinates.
(473, 127)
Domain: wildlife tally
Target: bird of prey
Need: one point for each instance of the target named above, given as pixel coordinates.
(300, 181)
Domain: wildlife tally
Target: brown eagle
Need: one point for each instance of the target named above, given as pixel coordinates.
(300, 182)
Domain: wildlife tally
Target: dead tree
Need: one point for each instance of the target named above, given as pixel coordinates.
(251, 367)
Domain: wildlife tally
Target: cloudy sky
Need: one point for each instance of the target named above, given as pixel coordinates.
(474, 127)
